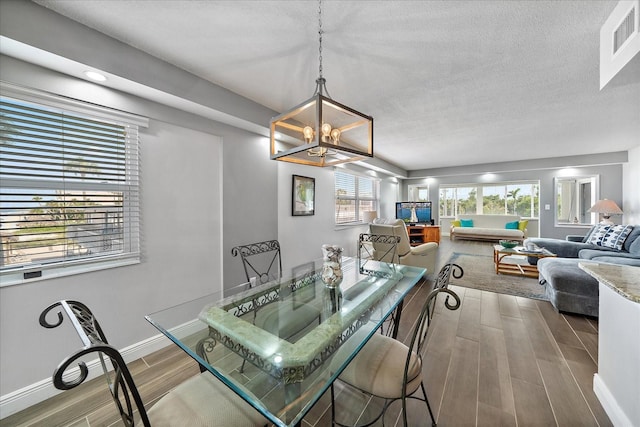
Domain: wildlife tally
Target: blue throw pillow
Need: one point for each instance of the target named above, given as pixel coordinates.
(616, 236)
(512, 225)
(466, 223)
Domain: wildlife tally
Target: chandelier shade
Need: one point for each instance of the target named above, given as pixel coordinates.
(321, 132)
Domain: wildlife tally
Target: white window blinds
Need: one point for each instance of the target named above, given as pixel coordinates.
(354, 195)
(69, 188)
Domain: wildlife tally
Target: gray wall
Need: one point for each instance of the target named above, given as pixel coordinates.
(191, 168)
(610, 184)
(301, 237)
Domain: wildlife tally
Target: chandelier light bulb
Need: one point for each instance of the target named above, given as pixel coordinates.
(307, 132)
(326, 131)
(335, 136)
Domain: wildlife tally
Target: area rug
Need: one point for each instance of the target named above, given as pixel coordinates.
(480, 273)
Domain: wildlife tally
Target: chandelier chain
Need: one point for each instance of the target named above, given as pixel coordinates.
(320, 36)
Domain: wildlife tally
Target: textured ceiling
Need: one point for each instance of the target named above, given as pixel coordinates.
(447, 82)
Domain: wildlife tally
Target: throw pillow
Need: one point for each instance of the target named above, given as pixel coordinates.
(455, 223)
(616, 236)
(598, 233)
(522, 225)
(511, 225)
(586, 237)
(466, 223)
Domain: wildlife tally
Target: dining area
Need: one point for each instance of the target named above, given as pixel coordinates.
(270, 349)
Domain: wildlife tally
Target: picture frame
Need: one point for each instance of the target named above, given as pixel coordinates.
(303, 191)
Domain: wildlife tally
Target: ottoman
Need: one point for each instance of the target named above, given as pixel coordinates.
(569, 288)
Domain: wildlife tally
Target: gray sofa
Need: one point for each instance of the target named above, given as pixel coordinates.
(569, 288)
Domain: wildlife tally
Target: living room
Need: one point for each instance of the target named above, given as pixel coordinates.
(214, 162)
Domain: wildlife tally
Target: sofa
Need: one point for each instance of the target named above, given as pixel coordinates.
(568, 287)
(424, 255)
(488, 227)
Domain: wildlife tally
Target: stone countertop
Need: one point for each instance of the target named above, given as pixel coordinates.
(623, 279)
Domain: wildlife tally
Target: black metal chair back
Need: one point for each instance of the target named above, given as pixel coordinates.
(443, 280)
(260, 260)
(379, 247)
(121, 385)
(418, 343)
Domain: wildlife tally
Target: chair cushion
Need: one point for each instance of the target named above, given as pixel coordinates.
(203, 401)
(378, 368)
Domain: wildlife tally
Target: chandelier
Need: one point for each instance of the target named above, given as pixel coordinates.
(320, 131)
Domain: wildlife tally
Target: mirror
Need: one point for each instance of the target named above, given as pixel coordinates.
(574, 196)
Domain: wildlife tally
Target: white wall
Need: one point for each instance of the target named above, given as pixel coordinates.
(631, 185)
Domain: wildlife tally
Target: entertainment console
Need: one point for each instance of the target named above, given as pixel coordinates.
(419, 234)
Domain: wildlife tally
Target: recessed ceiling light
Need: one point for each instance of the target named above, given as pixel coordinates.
(95, 76)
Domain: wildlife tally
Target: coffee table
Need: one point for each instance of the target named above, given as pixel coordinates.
(527, 270)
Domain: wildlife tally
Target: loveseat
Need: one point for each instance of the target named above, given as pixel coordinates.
(568, 287)
(488, 227)
(424, 255)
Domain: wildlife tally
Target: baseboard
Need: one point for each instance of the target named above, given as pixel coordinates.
(609, 403)
(32, 394)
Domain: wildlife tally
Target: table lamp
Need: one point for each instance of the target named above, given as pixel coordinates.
(606, 208)
(369, 216)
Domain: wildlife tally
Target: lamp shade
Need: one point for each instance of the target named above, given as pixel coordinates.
(369, 216)
(606, 208)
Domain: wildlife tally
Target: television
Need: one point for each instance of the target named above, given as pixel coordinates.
(422, 212)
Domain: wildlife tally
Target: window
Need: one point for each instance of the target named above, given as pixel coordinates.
(457, 200)
(355, 194)
(69, 190)
(520, 199)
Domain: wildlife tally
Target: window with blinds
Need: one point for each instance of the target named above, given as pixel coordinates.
(355, 194)
(68, 189)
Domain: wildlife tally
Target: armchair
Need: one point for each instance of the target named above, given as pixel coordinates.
(423, 255)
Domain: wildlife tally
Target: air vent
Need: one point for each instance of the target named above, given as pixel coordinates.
(624, 31)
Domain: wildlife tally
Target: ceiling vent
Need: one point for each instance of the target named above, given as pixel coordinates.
(620, 42)
(625, 30)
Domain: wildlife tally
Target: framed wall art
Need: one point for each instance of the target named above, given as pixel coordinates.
(304, 196)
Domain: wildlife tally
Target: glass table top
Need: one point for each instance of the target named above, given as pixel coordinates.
(280, 345)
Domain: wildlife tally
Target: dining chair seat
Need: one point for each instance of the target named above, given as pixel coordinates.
(378, 368)
(388, 368)
(203, 401)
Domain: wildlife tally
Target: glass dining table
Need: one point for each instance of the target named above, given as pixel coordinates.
(281, 345)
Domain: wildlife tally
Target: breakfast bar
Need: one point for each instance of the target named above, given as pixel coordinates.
(617, 383)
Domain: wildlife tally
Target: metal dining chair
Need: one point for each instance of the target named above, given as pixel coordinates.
(444, 279)
(261, 260)
(378, 247)
(377, 370)
(202, 400)
(262, 263)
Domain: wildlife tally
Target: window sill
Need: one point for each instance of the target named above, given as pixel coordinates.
(349, 225)
(16, 277)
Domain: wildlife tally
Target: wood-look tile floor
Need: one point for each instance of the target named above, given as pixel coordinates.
(498, 360)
